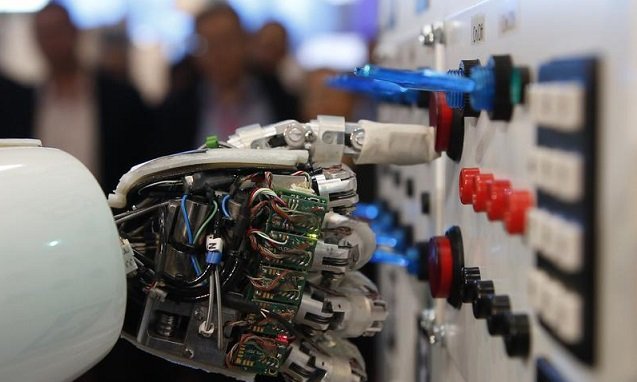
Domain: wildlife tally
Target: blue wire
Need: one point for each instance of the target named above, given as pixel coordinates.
(186, 218)
(195, 264)
(224, 206)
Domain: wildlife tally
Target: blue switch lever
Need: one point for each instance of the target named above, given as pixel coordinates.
(409, 260)
(391, 258)
(380, 90)
(423, 79)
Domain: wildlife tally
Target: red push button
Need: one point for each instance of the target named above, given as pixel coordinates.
(466, 184)
(481, 187)
(441, 118)
(515, 216)
(498, 199)
(440, 266)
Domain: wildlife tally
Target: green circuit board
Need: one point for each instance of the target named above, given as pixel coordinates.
(308, 213)
(261, 357)
(278, 279)
(296, 253)
(283, 285)
(268, 326)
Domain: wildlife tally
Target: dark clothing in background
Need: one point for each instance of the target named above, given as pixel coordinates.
(16, 108)
(179, 118)
(123, 120)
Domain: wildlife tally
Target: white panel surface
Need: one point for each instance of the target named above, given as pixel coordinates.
(532, 32)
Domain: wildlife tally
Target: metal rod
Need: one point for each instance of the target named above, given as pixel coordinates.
(211, 288)
(219, 309)
(125, 216)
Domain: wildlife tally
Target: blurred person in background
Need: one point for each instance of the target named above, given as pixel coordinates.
(318, 98)
(114, 57)
(269, 47)
(227, 96)
(99, 120)
(183, 75)
(271, 58)
(15, 107)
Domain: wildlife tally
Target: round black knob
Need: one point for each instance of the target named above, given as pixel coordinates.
(482, 292)
(470, 276)
(497, 321)
(517, 339)
(466, 66)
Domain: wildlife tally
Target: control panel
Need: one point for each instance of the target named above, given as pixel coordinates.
(511, 256)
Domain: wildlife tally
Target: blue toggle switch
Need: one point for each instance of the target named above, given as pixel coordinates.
(367, 211)
(394, 239)
(423, 79)
(383, 222)
(380, 90)
(410, 260)
(484, 94)
(391, 258)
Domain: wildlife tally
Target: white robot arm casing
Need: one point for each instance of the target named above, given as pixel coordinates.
(62, 276)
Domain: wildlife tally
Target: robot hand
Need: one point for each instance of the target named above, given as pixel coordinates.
(328, 138)
(242, 260)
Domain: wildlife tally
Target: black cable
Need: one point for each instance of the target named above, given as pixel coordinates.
(187, 283)
(233, 275)
(145, 260)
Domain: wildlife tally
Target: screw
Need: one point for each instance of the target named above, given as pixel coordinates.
(294, 136)
(435, 333)
(199, 315)
(329, 138)
(358, 139)
(310, 136)
(189, 353)
(432, 34)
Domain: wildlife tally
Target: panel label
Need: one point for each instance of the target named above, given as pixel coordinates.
(477, 29)
(508, 17)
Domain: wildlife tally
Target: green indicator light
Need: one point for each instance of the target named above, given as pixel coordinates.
(519, 80)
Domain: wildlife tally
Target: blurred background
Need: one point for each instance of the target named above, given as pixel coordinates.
(142, 39)
(118, 82)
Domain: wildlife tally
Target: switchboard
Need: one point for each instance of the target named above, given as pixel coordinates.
(535, 180)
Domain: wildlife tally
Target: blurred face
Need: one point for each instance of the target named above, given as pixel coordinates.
(56, 37)
(270, 46)
(321, 99)
(223, 57)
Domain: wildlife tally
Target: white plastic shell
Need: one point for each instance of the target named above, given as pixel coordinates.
(204, 160)
(62, 280)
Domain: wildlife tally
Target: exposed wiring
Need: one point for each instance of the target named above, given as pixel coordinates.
(266, 237)
(224, 206)
(257, 282)
(265, 345)
(160, 183)
(201, 229)
(195, 265)
(305, 174)
(264, 191)
(188, 284)
(184, 212)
